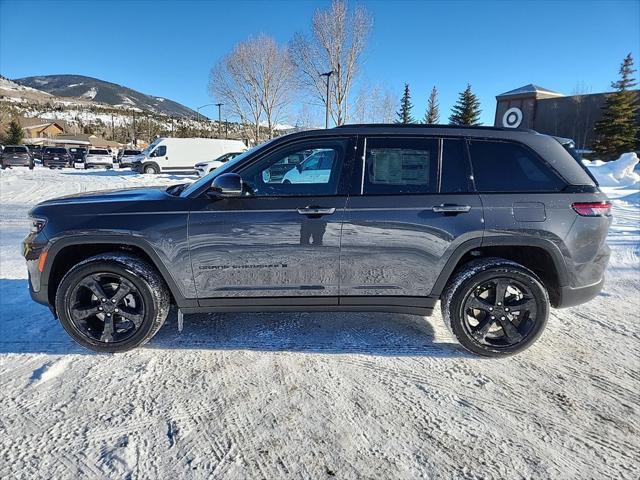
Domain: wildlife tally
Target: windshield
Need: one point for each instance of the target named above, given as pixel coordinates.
(147, 150)
(225, 167)
(15, 149)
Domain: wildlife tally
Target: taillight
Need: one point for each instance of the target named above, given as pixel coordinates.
(592, 209)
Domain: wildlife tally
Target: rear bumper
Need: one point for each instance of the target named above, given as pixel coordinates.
(17, 162)
(570, 297)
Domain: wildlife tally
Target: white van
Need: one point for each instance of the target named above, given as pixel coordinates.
(181, 154)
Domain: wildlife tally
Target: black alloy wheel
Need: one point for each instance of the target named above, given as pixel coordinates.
(106, 307)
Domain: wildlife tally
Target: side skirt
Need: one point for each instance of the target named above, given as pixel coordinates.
(409, 305)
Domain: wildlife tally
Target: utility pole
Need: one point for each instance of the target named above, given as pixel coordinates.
(219, 119)
(326, 117)
(113, 130)
(135, 140)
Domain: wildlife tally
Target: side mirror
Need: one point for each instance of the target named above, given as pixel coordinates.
(227, 185)
(299, 167)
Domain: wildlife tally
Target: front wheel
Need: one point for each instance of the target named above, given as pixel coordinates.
(495, 307)
(150, 169)
(112, 302)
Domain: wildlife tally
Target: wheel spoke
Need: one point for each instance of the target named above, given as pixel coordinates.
(135, 318)
(481, 330)
(525, 305)
(80, 314)
(478, 303)
(92, 284)
(501, 291)
(511, 332)
(123, 290)
(107, 332)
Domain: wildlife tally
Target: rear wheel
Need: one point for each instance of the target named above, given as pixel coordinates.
(112, 302)
(495, 307)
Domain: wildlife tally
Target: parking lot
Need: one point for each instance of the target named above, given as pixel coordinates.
(314, 395)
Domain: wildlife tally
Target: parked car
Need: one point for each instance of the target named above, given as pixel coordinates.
(181, 154)
(204, 168)
(16, 155)
(126, 156)
(57, 157)
(36, 151)
(496, 224)
(98, 157)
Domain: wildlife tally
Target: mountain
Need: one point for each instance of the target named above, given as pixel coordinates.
(96, 90)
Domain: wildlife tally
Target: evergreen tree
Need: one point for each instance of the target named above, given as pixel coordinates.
(617, 130)
(404, 114)
(15, 134)
(467, 110)
(433, 109)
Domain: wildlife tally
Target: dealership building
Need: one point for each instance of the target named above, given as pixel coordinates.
(551, 112)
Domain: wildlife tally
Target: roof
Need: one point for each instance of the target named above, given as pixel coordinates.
(530, 90)
(401, 126)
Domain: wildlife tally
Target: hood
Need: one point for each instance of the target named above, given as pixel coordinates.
(128, 195)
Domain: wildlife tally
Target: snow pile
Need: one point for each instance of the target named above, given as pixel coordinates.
(618, 173)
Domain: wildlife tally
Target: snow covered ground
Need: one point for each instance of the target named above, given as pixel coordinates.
(315, 395)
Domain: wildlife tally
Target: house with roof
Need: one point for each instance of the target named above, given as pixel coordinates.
(550, 112)
(37, 130)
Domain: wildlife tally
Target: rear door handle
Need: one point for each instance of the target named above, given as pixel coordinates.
(451, 208)
(316, 211)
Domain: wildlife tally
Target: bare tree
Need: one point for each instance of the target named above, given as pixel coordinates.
(255, 80)
(232, 81)
(275, 79)
(337, 42)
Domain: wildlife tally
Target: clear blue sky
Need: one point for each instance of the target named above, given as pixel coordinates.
(166, 48)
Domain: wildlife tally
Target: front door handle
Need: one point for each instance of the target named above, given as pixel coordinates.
(316, 211)
(444, 208)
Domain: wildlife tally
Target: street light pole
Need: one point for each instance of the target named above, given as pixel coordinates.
(326, 118)
(202, 106)
(219, 105)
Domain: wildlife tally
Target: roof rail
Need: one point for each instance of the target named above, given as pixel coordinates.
(421, 125)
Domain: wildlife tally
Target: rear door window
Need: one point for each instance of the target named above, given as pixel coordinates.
(400, 166)
(510, 167)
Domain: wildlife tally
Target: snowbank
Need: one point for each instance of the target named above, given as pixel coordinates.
(618, 173)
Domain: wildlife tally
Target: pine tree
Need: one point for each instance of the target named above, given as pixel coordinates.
(617, 130)
(433, 109)
(467, 110)
(15, 134)
(404, 114)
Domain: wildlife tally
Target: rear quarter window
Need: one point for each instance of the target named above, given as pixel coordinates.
(510, 167)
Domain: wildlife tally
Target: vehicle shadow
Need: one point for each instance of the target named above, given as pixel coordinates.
(27, 327)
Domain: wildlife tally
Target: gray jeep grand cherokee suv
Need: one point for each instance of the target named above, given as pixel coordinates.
(497, 224)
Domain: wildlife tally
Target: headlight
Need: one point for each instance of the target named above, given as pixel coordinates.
(37, 224)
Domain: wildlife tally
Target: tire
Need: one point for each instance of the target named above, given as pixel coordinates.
(31, 165)
(488, 330)
(148, 301)
(150, 170)
(3, 166)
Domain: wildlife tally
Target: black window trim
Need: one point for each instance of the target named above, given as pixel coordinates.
(528, 149)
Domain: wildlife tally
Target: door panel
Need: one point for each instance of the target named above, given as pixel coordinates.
(253, 247)
(400, 251)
